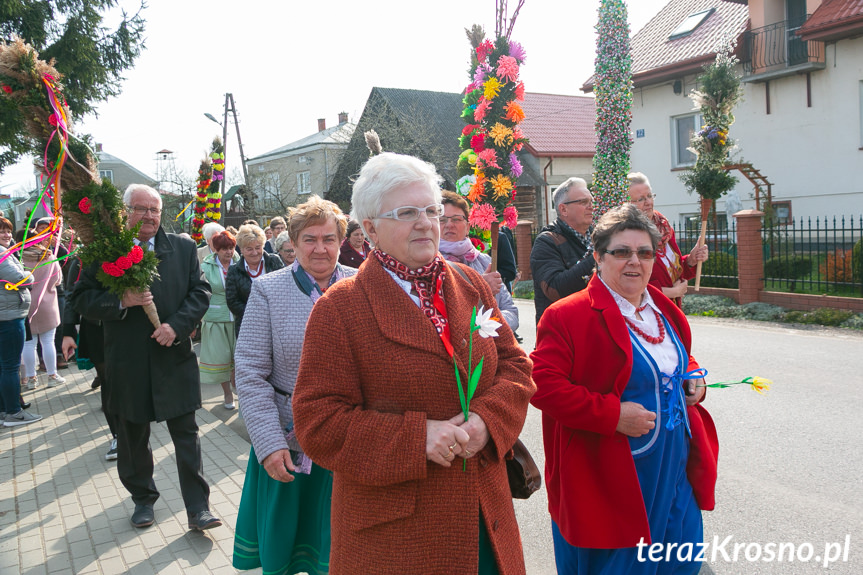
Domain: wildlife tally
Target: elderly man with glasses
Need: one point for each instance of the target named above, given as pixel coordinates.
(153, 375)
(561, 261)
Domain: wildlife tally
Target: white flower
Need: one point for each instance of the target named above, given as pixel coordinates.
(485, 324)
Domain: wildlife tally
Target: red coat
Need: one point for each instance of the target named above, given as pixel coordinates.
(582, 364)
(373, 371)
(660, 277)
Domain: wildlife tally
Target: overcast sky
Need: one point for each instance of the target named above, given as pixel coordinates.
(288, 63)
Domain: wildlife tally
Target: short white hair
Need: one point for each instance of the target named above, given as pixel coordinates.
(636, 178)
(280, 240)
(387, 172)
(210, 229)
(132, 188)
(563, 189)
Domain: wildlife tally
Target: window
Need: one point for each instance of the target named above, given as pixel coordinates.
(690, 23)
(107, 175)
(269, 185)
(781, 213)
(682, 128)
(304, 183)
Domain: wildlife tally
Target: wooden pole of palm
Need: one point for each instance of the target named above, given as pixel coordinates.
(719, 93)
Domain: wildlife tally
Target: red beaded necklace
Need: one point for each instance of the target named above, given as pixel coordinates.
(639, 331)
(258, 272)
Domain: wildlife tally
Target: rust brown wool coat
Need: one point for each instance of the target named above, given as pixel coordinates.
(373, 370)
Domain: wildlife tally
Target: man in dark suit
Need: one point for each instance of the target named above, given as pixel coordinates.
(154, 374)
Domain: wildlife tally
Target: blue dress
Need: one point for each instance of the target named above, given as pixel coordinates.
(660, 461)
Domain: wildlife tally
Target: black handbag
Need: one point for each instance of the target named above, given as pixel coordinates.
(522, 472)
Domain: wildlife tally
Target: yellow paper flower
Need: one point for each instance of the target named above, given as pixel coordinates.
(492, 88)
(501, 185)
(501, 134)
(761, 384)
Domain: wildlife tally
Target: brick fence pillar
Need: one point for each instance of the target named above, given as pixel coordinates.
(750, 255)
(523, 246)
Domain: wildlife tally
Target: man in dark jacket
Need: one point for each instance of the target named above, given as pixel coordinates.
(561, 260)
(154, 374)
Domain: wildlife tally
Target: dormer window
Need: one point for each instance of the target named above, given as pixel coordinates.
(690, 23)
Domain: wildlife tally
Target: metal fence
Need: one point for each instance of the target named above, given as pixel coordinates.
(720, 269)
(815, 255)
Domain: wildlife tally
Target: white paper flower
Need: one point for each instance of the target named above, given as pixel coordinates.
(485, 325)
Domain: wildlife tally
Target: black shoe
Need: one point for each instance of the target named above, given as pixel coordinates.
(143, 516)
(96, 383)
(22, 403)
(518, 338)
(203, 520)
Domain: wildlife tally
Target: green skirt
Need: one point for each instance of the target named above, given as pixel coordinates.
(217, 351)
(284, 527)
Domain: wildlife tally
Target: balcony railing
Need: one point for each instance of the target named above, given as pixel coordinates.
(777, 49)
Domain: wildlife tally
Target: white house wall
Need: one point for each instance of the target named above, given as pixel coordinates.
(560, 170)
(812, 155)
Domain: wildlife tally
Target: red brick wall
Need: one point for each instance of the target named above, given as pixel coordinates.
(523, 245)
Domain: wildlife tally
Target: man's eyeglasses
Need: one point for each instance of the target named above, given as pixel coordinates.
(412, 213)
(286, 251)
(626, 253)
(581, 202)
(453, 219)
(141, 210)
(644, 199)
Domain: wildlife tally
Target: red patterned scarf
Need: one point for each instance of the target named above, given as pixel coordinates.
(428, 284)
(675, 269)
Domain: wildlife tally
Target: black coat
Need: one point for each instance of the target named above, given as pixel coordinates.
(238, 285)
(89, 337)
(151, 382)
(560, 264)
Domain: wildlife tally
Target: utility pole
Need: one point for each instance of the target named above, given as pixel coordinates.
(231, 107)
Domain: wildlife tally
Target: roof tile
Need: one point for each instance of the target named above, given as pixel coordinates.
(833, 13)
(559, 124)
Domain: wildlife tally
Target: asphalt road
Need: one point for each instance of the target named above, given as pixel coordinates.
(789, 470)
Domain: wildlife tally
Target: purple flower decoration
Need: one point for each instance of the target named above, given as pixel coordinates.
(515, 166)
(517, 51)
(479, 76)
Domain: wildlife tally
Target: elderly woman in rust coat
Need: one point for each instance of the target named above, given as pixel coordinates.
(416, 488)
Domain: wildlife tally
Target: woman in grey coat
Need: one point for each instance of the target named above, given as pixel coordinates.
(14, 306)
(455, 246)
(284, 519)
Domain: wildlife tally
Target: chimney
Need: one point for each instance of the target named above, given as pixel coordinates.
(98, 147)
(322, 124)
(343, 117)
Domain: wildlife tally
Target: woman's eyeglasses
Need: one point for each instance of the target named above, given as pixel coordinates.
(626, 253)
(412, 213)
(644, 199)
(453, 219)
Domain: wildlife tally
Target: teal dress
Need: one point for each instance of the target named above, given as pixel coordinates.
(289, 522)
(218, 337)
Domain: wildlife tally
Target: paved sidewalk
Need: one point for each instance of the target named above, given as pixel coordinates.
(64, 510)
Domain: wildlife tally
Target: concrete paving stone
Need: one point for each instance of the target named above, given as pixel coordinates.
(187, 557)
(70, 507)
(53, 531)
(142, 569)
(152, 540)
(112, 565)
(134, 554)
(89, 499)
(80, 564)
(58, 563)
(27, 506)
(92, 511)
(35, 570)
(227, 570)
(32, 558)
(107, 550)
(215, 558)
(98, 522)
(117, 512)
(82, 548)
(102, 536)
(77, 533)
(170, 569)
(72, 521)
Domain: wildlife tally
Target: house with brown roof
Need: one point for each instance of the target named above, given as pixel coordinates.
(428, 124)
(800, 124)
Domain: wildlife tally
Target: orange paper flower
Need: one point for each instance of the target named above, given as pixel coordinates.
(514, 112)
(477, 190)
